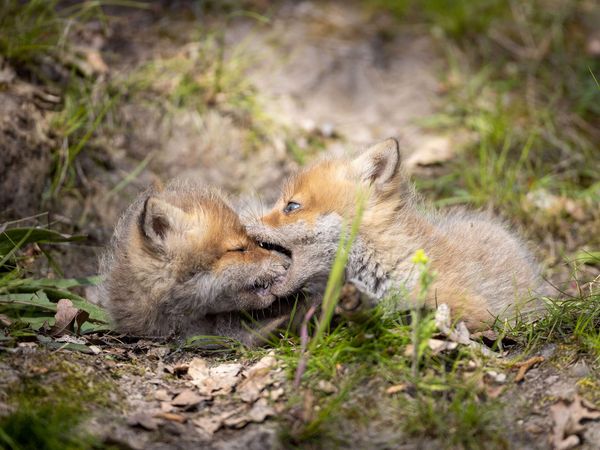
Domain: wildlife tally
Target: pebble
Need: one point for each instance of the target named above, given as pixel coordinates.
(579, 370)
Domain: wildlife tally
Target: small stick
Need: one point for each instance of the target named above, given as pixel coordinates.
(524, 366)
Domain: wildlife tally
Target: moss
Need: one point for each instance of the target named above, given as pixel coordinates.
(50, 402)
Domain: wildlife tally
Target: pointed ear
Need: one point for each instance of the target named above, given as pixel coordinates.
(379, 163)
(158, 218)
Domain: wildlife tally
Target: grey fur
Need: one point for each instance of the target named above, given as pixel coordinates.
(148, 293)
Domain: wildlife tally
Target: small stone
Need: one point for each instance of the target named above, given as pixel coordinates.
(548, 351)
(579, 370)
(326, 387)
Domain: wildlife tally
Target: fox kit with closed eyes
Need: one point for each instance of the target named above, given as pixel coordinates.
(483, 270)
(181, 263)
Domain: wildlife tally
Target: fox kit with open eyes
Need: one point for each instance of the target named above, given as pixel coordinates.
(181, 263)
(483, 271)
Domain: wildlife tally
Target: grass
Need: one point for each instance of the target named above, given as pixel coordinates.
(203, 78)
(85, 106)
(439, 397)
(29, 303)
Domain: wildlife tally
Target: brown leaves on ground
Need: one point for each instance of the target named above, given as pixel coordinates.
(567, 417)
(213, 380)
(67, 316)
(225, 395)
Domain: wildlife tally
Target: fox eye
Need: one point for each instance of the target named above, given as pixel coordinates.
(238, 249)
(291, 207)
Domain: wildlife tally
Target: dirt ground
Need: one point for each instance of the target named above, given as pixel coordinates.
(322, 73)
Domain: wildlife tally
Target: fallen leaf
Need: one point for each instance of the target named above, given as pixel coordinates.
(144, 420)
(187, 399)
(208, 424)
(162, 395)
(458, 333)
(256, 414)
(567, 417)
(214, 380)
(257, 378)
(171, 417)
(66, 315)
(167, 407)
(212, 423)
(275, 394)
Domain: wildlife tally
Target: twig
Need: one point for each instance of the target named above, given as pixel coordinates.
(526, 365)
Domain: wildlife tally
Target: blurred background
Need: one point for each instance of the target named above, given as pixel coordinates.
(496, 103)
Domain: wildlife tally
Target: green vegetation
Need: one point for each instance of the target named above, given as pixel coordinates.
(29, 303)
(50, 404)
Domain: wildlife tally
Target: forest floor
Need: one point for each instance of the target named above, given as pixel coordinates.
(239, 95)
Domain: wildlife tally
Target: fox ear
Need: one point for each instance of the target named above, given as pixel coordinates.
(379, 163)
(159, 218)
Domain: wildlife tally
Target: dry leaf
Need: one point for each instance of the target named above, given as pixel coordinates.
(144, 420)
(64, 317)
(162, 395)
(257, 413)
(187, 399)
(215, 380)
(459, 333)
(257, 378)
(567, 417)
(275, 394)
(167, 407)
(208, 424)
(171, 417)
(211, 424)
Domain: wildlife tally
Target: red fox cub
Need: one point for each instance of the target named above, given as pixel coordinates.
(181, 263)
(482, 270)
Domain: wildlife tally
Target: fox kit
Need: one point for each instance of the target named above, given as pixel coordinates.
(482, 270)
(181, 263)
